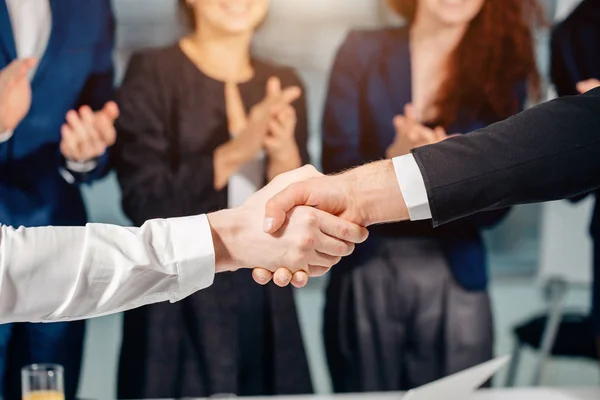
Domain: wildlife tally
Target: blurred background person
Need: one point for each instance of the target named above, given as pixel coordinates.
(204, 125)
(575, 68)
(60, 143)
(411, 305)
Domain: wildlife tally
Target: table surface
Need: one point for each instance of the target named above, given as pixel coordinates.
(493, 394)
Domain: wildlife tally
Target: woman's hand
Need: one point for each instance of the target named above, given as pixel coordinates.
(280, 143)
(587, 85)
(249, 131)
(411, 134)
(272, 121)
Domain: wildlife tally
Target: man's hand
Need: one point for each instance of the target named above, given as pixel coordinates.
(307, 239)
(15, 93)
(366, 195)
(86, 134)
(587, 85)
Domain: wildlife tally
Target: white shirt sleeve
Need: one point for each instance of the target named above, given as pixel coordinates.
(68, 273)
(412, 187)
(4, 136)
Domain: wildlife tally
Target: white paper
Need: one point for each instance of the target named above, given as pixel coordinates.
(460, 385)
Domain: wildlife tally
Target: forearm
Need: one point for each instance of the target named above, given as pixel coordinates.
(228, 159)
(283, 161)
(66, 273)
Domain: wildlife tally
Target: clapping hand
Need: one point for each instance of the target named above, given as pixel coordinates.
(411, 134)
(282, 125)
(86, 134)
(267, 124)
(587, 85)
(15, 93)
(280, 141)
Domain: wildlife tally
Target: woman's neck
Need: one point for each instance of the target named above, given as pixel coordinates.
(223, 57)
(428, 32)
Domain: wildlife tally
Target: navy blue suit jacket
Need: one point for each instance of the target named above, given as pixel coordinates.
(576, 57)
(369, 85)
(76, 69)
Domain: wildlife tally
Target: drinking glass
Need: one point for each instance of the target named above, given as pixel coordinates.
(43, 382)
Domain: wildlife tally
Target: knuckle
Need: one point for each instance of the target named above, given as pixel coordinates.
(344, 232)
(307, 242)
(311, 218)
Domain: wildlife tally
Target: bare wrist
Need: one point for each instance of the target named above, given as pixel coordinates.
(285, 151)
(377, 192)
(224, 227)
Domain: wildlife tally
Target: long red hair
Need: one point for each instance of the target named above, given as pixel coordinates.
(494, 56)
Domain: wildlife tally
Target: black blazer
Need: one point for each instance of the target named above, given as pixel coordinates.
(576, 56)
(549, 152)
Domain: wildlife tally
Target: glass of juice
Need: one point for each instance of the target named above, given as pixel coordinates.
(43, 382)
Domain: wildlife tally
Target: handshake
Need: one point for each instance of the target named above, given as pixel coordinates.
(303, 223)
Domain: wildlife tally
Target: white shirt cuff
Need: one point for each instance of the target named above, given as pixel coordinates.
(412, 187)
(192, 242)
(81, 167)
(4, 136)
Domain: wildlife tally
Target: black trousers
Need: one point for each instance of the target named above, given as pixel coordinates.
(399, 320)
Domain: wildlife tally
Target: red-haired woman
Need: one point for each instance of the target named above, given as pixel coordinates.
(411, 305)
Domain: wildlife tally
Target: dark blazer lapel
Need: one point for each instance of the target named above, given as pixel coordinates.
(62, 10)
(396, 70)
(8, 51)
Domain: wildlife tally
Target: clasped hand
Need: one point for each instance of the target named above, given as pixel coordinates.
(307, 239)
(312, 220)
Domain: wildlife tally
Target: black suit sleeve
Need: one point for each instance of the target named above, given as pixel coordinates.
(155, 183)
(549, 152)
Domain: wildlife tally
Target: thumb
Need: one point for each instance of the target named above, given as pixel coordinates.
(111, 109)
(273, 87)
(278, 206)
(409, 112)
(399, 124)
(24, 67)
(18, 69)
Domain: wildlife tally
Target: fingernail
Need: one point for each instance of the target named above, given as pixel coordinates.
(268, 224)
(298, 278)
